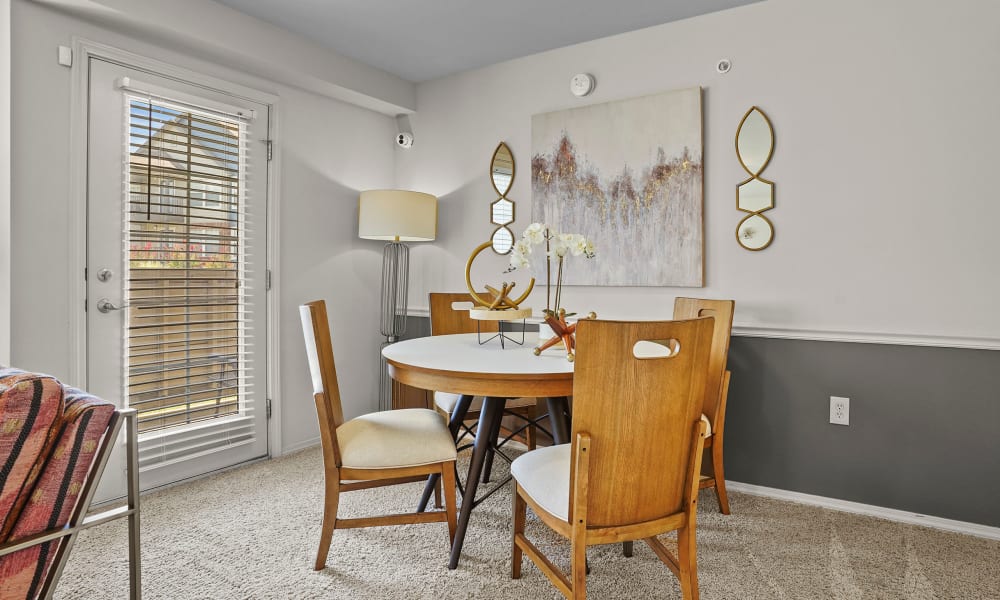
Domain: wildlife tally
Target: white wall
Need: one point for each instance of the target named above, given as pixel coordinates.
(328, 151)
(886, 126)
(4, 182)
(221, 34)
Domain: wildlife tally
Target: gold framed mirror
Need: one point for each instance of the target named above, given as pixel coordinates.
(502, 209)
(754, 195)
(502, 169)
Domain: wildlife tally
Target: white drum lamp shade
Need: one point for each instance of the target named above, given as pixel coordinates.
(397, 215)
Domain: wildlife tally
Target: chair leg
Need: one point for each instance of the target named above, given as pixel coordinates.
(627, 548)
(720, 478)
(578, 567)
(331, 501)
(687, 559)
(520, 510)
(448, 474)
(437, 493)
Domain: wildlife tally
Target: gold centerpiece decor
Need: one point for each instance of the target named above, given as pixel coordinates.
(558, 246)
(499, 306)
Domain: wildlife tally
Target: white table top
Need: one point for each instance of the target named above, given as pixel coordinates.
(462, 353)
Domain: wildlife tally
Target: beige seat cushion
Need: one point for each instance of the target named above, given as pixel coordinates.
(544, 475)
(395, 438)
(446, 402)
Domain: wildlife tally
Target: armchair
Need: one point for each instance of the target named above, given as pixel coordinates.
(54, 445)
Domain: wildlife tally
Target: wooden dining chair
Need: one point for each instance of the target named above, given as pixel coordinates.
(373, 450)
(446, 319)
(716, 387)
(631, 471)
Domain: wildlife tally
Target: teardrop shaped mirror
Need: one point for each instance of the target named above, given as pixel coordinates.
(754, 141)
(502, 169)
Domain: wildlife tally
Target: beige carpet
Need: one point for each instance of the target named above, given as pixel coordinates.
(252, 533)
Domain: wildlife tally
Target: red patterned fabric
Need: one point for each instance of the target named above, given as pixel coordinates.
(31, 410)
(56, 494)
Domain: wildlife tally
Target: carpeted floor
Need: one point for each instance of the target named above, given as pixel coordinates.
(252, 533)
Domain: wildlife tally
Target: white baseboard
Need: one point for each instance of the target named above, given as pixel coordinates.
(308, 443)
(890, 514)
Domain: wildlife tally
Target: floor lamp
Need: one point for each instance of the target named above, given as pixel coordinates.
(396, 216)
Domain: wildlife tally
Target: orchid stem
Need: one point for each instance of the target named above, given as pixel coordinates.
(548, 275)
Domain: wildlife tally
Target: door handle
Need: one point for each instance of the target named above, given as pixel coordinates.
(105, 306)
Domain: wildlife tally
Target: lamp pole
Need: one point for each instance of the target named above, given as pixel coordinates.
(395, 284)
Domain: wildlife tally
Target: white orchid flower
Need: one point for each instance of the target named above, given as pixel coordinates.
(577, 244)
(535, 233)
(518, 260)
(559, 247)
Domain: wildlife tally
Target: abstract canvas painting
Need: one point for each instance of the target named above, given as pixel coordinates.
(628, 175)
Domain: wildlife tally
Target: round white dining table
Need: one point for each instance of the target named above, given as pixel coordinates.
(460, 364)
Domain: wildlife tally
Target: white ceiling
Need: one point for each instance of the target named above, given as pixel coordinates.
(420, 40)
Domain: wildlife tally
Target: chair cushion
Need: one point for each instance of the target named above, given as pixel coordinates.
(543, 474)
(31, 414)
(446, 402)
(708, 425)
(395, 438)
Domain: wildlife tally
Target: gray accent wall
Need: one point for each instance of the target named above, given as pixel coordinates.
(924, 434)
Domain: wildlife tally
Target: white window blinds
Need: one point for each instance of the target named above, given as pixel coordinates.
(187, 230)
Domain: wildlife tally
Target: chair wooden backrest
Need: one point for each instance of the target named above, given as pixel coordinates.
(640, 414)
(447, 320)
(722, 312)
(319, 351)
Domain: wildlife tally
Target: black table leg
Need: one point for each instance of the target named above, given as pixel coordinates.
(458, 413)
(491, 413)
(559, 418)
(491, 454)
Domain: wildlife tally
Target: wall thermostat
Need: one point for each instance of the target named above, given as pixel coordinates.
(724, 65)
(581, 84)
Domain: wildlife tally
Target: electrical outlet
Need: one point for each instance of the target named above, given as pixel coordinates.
(840, 410)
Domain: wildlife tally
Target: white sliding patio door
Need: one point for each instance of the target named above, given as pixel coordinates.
(176, 273)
